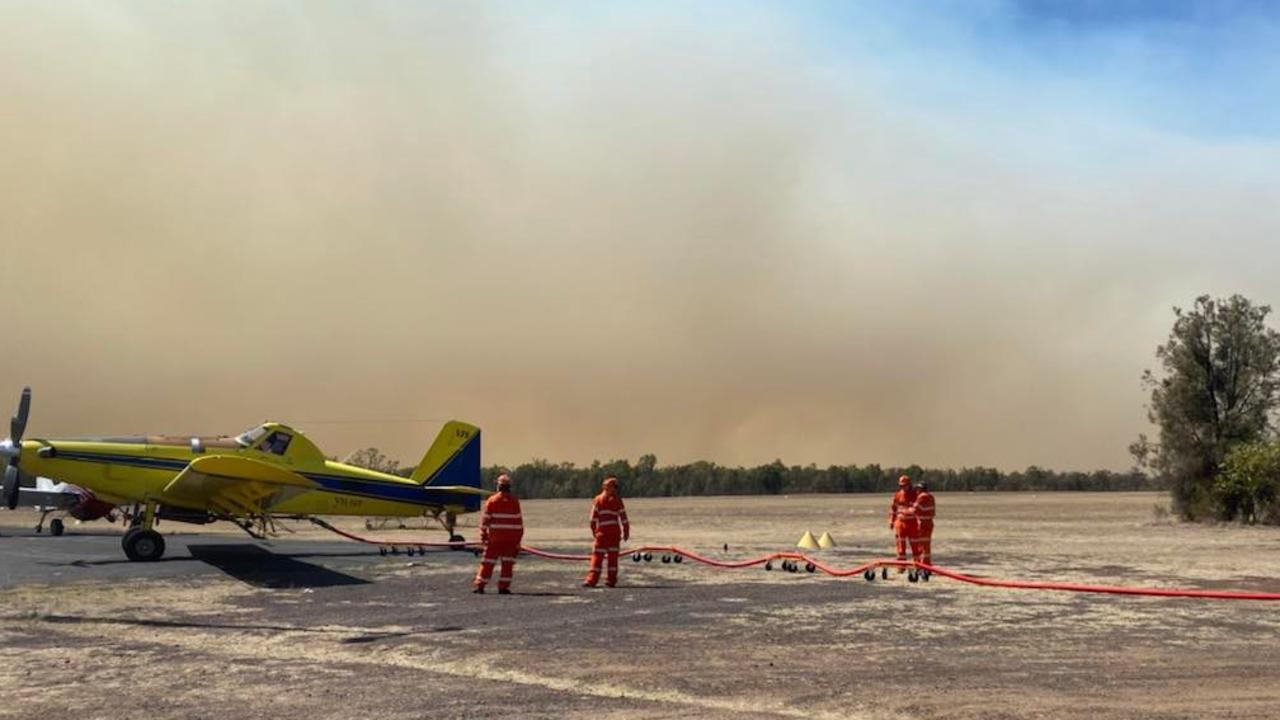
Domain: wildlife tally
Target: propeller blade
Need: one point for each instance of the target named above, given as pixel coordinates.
(11, 486)
(19, 423)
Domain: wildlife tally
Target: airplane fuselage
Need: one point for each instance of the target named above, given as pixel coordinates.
(129, 470)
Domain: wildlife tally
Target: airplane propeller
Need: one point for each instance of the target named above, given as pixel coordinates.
(12, 448)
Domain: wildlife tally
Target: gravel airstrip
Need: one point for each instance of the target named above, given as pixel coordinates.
(308, 626)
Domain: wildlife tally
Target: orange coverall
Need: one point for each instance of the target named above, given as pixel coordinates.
(902, 519)
(501, 530)
(924, 510)
(610, 527)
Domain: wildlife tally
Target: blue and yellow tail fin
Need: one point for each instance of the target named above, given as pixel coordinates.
(453, 459)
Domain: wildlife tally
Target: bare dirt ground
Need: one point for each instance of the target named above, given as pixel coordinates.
(348, 633)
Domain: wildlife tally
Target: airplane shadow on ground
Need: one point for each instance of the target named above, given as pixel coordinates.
(28, 533)
(259, 567)
(264, 569)
(254, 566)
(373, 635)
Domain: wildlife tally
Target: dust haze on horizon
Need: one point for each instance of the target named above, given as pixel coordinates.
(739, 233)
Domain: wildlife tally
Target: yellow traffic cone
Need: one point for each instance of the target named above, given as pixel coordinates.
(826, 541)
(807, 541)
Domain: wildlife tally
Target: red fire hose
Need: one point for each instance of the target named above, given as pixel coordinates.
(817, 565)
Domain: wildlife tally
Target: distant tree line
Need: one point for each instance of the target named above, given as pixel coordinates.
(645, 478)
(544, 479)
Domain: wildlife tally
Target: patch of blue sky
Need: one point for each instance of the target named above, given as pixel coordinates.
(1208, 69)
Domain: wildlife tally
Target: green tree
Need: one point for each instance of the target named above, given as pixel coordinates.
(1249, 483)
(1220, 374)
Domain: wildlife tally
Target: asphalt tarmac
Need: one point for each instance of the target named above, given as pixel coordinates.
(226, 627)
(96, 555)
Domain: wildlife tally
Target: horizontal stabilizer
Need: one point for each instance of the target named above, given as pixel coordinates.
(461, 490)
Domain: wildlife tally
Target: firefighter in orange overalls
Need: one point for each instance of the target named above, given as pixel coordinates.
(924, 510)
(902, 518)
(501, 530)
(609, 527)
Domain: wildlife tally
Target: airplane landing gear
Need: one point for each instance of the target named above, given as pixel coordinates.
(450, 522)
(141, 543)
(56, 527)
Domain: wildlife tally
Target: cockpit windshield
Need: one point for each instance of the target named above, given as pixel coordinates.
(277, 443)
(250, 437)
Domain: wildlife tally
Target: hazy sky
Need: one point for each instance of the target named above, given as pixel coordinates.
(942, 233)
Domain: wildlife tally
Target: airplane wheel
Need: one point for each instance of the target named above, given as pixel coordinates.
(635, 557)
(810, 567)
(56, 527)
(869, 575)
(911, 576)
(666, 559)
(456, 538)
(768, 565)
(678, 559)
(143, 545)
(884, 573)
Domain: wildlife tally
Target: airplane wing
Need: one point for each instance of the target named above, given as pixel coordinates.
(235, 485)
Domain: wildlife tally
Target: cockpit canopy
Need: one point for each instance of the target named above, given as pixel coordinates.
(273, 439)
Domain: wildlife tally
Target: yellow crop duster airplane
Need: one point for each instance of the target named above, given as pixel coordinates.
(267, 472)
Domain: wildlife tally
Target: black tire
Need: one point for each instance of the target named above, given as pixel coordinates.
(143, 545)
(870, 575)
(57, 527)
(456, 538)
